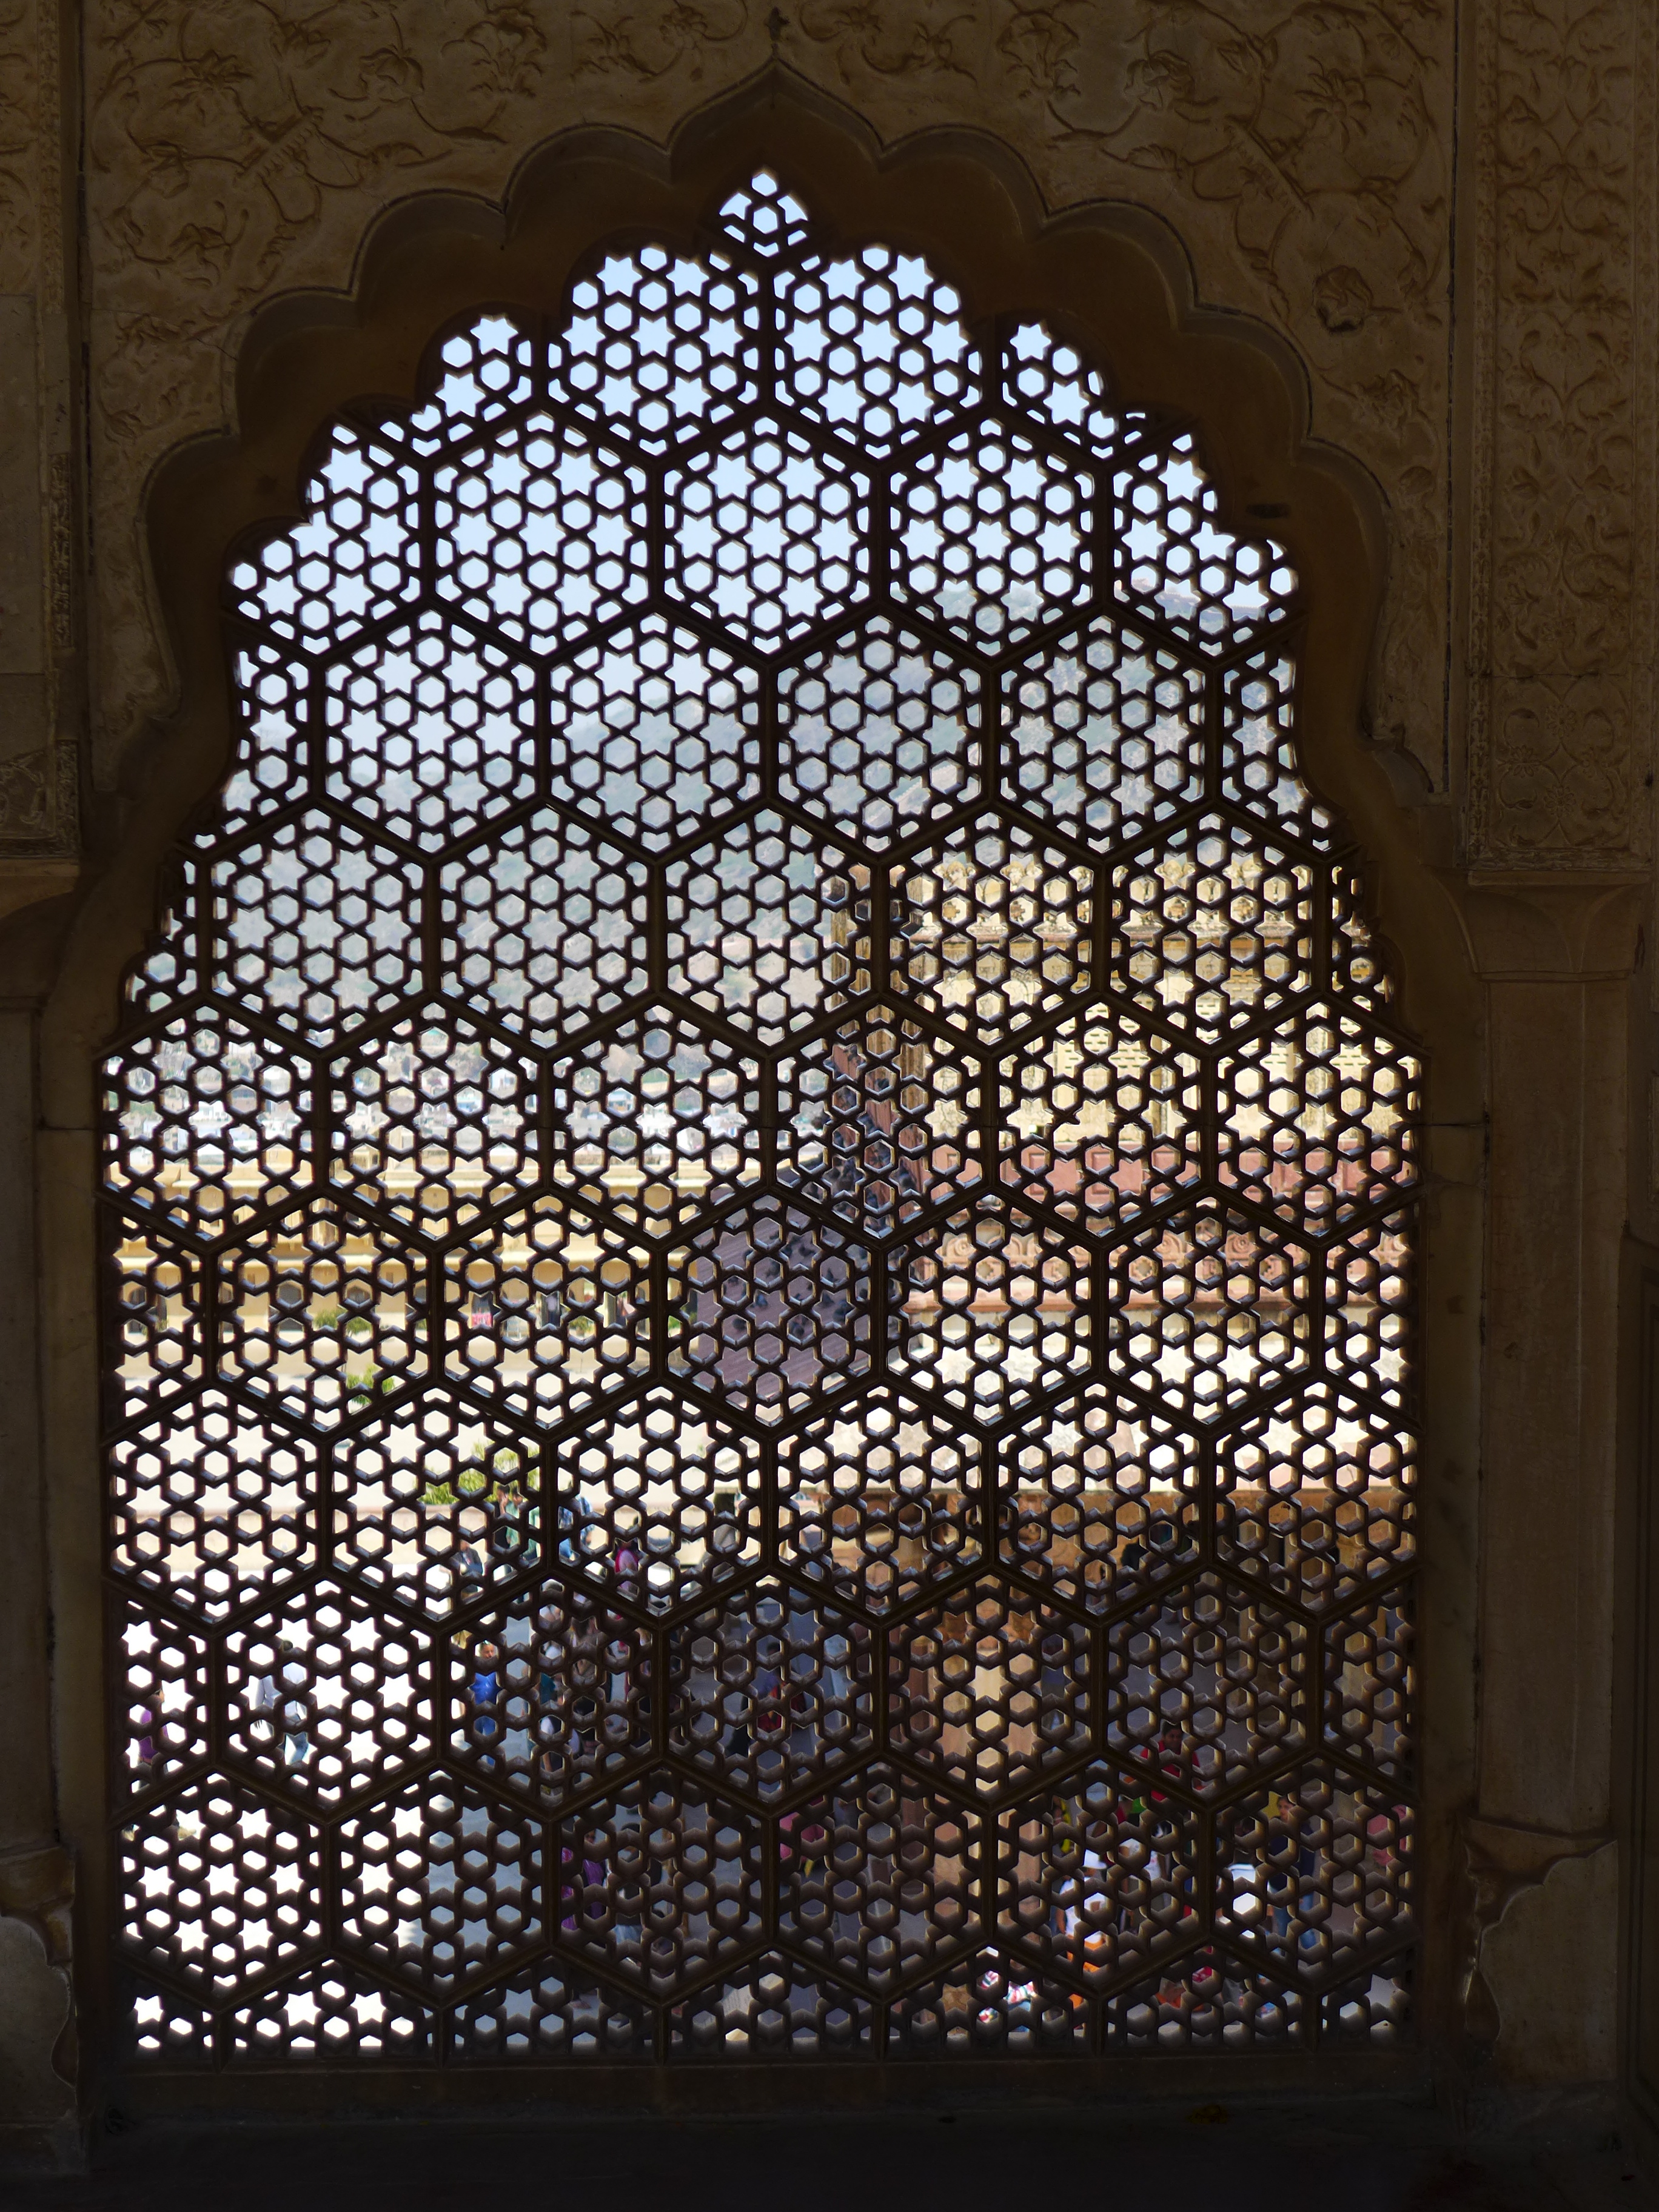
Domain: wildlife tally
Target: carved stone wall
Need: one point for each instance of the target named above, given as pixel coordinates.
(20, 147)
(1302, 153)
(1561, 629)
(1443, 211)
(38, 754)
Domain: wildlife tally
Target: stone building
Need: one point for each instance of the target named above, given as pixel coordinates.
(1394, 259)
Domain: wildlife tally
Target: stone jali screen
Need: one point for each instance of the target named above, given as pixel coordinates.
(759, 1234)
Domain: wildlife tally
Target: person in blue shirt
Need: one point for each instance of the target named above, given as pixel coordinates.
(486, 1689)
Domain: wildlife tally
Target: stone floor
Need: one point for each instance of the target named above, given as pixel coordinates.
(1282, 2159)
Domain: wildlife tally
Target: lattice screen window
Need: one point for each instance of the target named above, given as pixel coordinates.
(759, 1230)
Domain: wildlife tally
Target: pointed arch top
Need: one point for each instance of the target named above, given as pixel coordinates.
(1112, 277)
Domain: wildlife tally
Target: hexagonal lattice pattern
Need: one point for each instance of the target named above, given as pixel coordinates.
(1209, 2005)
(1316, 1496)
(543, 927)
(878, 1500)
(989, 1685)
(1207, 1689)
(438, 1883)
(1369, 1681)
(1099, 1878)
(877, 1121)
(434, 1120)
(1316, 1874)
(1099, 1500)
(661, 1504)
(1106, 733)
(774, 2008)
(215, 1887)
(333, 2012)
(988, 2006)
(773, 1306)
(656, 1121)
(320, 1312)
(1103, 1120)
(166, 972)
(765, 535)
(770, 1689)
(993, 534)
(1369, 1311)
(326, 1698)
(275, 694)
(659, 1882)
(657, 344)
(655, 732)
(763, 217)
(1260, 768)
(990, 1309)
(877, 734)
(210, 1505)
(1318, 1119)
(153, 1299)
(1214, 928)
(1175, 562)
(550, 1694)
(1207, 1307)
(1357, 966)
(162, 1731)
(873, 346)
(429, 731)
(317, 927)
(767, 927)
(486, 371)
(547, 1310)
(541, 534)
(877, 1878)
(1051, 380)
(435, 1504)
(1372, 2012)
(352, 561)
(993, 928)
(205, 1121)
(549, 2010)
(163, 2027)
(759, 1223)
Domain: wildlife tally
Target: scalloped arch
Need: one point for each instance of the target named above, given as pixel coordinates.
(1116, 276)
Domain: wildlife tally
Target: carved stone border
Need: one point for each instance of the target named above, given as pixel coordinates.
(40, 803)
(1305, 155)
(1562, 552)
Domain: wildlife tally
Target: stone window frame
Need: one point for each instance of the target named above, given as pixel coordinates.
(1117, 279)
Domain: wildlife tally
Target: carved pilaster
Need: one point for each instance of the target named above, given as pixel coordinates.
(39, 778)
(38, 1886)
(20, 91)
(40, 2046)
(1562, 565)
(1555, 949)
